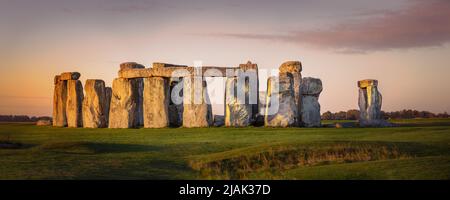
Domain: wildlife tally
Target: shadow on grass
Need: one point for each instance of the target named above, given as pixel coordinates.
(93, 147)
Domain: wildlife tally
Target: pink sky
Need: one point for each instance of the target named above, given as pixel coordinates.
(404, 44)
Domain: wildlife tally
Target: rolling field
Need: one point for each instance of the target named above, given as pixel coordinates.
(418, 149)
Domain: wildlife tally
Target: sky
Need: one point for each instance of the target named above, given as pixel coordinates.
(405, 44)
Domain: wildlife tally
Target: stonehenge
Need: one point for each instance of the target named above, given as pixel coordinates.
(169, 95)
(370, 101)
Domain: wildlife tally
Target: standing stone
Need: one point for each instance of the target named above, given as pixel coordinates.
(310, 107)
(281, 110)
(197, 110)
(250, 71)
(108, 95)
(370, 101)
(140, 83)
(238, 111)
(156, 102)
(294, 68)
(94, 104)
(59, 102)
(74, 103)
(124, 111)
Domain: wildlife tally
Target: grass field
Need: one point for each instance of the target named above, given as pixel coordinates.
(418, 149)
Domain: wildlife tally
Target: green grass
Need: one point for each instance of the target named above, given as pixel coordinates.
(419, 149)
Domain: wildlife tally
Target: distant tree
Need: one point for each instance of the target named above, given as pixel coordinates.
(352, 115)
(327, 116)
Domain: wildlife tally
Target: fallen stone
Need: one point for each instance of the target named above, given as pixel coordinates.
(156, 102)
(94, 104)
(74, 105)
(44, 122)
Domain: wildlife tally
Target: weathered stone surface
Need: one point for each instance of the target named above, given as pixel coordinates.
(311, 86)
(163, 65)
(124, 108)
(44, 122)
(197, 110)
(281, 110)
(69, 76)
(310, 109)
(74, 105)
(59, 103)
(56, 79)
(219, 120)
(94, 104)
(156, 102)
(140, 103)
(108, 96)
(366, 83)
(238, 112)
(370, 101)
(131, 65)
(291, 67)
(250, 71)
(294, 69)
(174, 71)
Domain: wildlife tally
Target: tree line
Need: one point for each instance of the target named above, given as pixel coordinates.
(22, 118)
(403, 114)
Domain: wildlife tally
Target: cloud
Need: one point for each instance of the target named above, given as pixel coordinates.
(421, 24)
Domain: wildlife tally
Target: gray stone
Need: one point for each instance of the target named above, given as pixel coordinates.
(310, 109)
(281, 110)
(219, 120)
(74, 105)
(311, 86)
(124, 108)
(238, 112)
(294, 69)
(94, 104)
(108, 95)
(251, 75)
(156, 102)
(44, 122)
(59, 103)
(197, 110)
